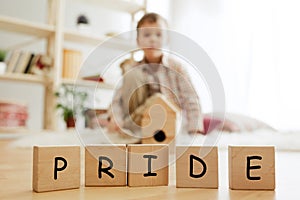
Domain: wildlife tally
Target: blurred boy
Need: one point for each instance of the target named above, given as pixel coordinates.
(156, 73)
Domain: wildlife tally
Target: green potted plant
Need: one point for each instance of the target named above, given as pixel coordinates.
(2, 63)
(71, 103)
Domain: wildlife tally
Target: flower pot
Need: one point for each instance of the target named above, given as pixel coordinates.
(2, 67)
(70, 122)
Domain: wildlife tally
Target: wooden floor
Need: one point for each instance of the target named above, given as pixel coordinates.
(16, 181)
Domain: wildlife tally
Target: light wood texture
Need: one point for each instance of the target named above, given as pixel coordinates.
(75, 36)
(260, 162)
(90, 39)
(143, 157)
(151, 140)
(25, 27)
(120, 5)
(56, 168)
(25, 78)
(16, 181)
(12, 130)
(159, 120)
(170, 141)
(54, 49)
(209, 169)
(116, 154)
(71, 63)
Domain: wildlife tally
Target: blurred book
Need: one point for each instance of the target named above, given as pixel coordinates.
(23, 61)
(40, 65)
(28, 62)
(13, 60)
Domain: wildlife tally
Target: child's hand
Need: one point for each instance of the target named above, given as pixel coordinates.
(112, 126)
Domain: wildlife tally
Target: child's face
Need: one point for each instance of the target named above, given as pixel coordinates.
(151, 38)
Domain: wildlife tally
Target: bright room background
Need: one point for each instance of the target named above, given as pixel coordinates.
(255, 46)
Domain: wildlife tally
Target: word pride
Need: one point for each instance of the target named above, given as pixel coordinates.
(58, 168)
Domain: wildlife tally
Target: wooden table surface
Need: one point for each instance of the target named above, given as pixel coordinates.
(16, 181)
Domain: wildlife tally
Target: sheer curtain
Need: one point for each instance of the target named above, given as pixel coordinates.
(275, 67)
(255, 45)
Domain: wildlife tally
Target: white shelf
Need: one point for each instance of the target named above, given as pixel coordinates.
(74, 36)
(25, 27)
(129, 6)
(7, 132)
(28, 78)
(87, 83)
(85, 38)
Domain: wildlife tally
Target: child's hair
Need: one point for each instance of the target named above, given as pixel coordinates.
(151, 18)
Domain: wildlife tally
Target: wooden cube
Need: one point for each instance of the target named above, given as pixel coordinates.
(105, 165)
(148, 165)
(56, 168)
(170, 141)
(251, 168)
(197, 167)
